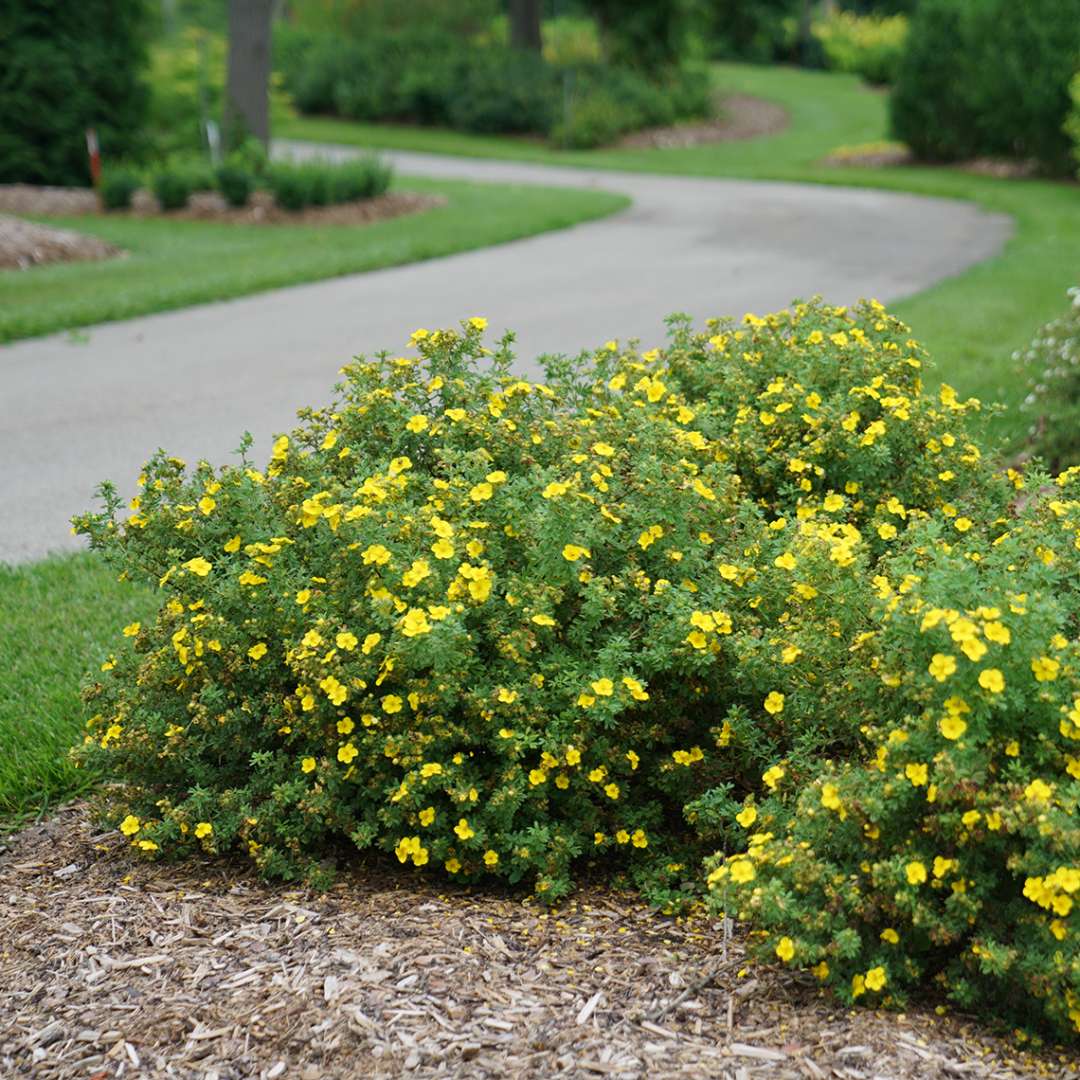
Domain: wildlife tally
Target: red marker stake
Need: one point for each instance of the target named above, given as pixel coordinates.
(94, 152)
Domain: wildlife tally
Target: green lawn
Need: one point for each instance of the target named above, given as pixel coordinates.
(177, 263)
(971, 323)
(57, 618)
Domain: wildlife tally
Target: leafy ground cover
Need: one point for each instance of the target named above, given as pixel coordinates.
(55, 616)
(971, 323)
(174, 264)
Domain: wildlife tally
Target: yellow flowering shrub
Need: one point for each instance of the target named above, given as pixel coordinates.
(756, 591)
(946, 850)
(486, 624)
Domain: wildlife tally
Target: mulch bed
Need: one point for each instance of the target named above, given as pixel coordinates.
(111, 967)
(210, 206)
(24, 244)
(741, 117)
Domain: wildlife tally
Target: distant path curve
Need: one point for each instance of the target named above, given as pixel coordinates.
(193, 380)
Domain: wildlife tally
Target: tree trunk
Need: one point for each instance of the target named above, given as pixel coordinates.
(247, 90)
(525, 25)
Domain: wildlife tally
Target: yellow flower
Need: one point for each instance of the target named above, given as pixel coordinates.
(537, 777)
(1045, 669)
(639, 839)
(571, 552)
(204, 828)
(257, 652)
(415, 623)
(697, 639)
(481, 492)
(346, 640)
(427, 816)
(417, 423)
(346, 753)
(942, 666)
(635, 760)
(952, 727)
(774, 703)
(377, 554)
(463, 830)
(370, 642)
(1038, 791)
(991, 679)
(491, 858)
(603, 687)
(916, 873)
(130, 825)
(742, 870)
(785, 949)
(890, 935)
(875, 978)
(198, 566)
(554, 490)
(543, 620)
(787, 561)
(147, 845)
(916, 773)
(962, 524)
(391, 703)
(131, 629)
(830, 797)
(772, 777)
(573, 756)
(232, 546)
(747, 816)
(611, 791)
(308, 765)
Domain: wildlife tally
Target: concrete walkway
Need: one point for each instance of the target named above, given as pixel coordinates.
(192, 381)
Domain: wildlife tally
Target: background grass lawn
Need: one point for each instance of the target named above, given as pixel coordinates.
(971, 323)
(57, 618)
(177, 263)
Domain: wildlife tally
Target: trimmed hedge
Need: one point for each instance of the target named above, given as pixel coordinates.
(988, 77)
(66, 67)
(418, 77)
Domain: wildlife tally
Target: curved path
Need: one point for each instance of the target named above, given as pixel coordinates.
(193, 380)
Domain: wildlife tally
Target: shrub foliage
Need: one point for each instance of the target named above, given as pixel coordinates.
(988, 77)
(1053, 400)
(65, 68)
(740, 593)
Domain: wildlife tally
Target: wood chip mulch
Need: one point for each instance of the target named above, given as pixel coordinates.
(210, 206)
(741, 117)
(24, 244)
(114, 968)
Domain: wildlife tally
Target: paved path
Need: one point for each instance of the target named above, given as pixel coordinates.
(193, 380)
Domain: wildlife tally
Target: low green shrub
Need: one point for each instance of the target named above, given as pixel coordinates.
(1053, 399)
(118, 187)
(867, 45)
(235, 184)
(988, 77)
(1072, 121)
(320, 183)
(363, 178)
(173, 187)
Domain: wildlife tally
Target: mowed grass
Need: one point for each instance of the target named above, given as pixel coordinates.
(174, 264)
(971, 323)
(58, 619)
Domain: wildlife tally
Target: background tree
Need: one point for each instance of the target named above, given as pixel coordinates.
(525, 25)
(247, 88)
